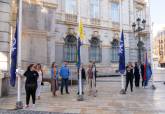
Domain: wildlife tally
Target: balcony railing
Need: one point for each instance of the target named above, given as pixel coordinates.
(116, 25)
(140, 1)
(95, 21)
(70, 17)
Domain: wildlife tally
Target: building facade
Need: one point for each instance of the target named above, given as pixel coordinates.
(50, 32)
(160, 47)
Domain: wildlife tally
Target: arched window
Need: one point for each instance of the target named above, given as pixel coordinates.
(70, 48)
(115, 50)
(95, 53)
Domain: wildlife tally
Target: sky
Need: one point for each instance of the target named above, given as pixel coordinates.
(157, 10)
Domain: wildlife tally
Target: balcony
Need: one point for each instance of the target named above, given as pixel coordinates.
(115, 26)
(140, 1)
(95, 21)
(71, 18)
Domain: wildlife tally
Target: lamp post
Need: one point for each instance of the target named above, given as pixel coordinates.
(137, 28)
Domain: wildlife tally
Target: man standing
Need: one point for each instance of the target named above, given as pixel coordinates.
(136, 74)
(64, 73)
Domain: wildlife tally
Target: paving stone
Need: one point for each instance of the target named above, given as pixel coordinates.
(108, 101)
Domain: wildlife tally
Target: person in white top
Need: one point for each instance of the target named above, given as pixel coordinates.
(39, 81)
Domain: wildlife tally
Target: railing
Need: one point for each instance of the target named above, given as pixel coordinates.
(70, 18)
(141, 1)
(95, 21)
(116, 25)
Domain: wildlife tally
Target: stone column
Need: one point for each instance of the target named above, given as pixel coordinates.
(51, 36)
(5, 10)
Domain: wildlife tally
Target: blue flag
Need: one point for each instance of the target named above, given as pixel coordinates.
(14, 59)
(148, 70)
(78, 53)
(122, 55)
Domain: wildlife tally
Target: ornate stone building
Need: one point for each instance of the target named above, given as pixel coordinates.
(50, 31)
(160, 47)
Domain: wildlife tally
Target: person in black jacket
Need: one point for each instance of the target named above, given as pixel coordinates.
(31, 84)
(136, 74)
(129, 76)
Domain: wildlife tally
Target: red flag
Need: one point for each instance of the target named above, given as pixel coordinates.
(145, 67)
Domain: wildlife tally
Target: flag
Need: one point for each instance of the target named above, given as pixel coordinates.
(122, 54)
(78, 53)
(145, 67)
(14, 59)
(81, 30)
(147, 71)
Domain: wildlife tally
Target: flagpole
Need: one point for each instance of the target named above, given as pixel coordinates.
(121, 27)
(151, 42)
(19, 104)
(80, 96)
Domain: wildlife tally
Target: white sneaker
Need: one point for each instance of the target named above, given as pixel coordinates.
(33, 106)
(26, 106)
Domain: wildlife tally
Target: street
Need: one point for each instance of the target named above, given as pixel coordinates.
(108, 100)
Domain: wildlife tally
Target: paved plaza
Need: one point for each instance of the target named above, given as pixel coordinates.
(108, 100)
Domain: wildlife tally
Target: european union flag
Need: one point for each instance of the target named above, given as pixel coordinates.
(14, 59)
(78, 53)
(122, 55)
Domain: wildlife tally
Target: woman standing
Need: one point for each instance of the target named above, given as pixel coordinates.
(91, 80)
(54, 78)
(39, 81)
(31, 84)
(129, 76)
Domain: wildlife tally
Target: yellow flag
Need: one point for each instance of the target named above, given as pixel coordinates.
(81, 30)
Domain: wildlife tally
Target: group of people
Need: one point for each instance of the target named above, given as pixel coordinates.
(34, 80)
(134, 72)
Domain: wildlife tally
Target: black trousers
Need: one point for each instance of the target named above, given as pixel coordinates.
(30, 91)
(137, 80)
(129, 79)
(64, 83)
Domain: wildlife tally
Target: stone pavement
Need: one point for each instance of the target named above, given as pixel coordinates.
(108, 100)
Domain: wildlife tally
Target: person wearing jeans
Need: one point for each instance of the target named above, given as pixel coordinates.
(64, 73)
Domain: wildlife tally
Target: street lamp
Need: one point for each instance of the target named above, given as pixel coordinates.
(137, 28)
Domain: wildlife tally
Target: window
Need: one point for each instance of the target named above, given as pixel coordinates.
(95, 50)
(70, 6)
(70, 48)
(115, 12)
(115, 50)
(95, 8)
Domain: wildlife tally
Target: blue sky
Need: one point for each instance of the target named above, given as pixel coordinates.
(158, 11)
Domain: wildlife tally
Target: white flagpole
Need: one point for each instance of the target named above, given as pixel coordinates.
(19, 104)
(121, 27)
(151, 44)
(80, 96)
